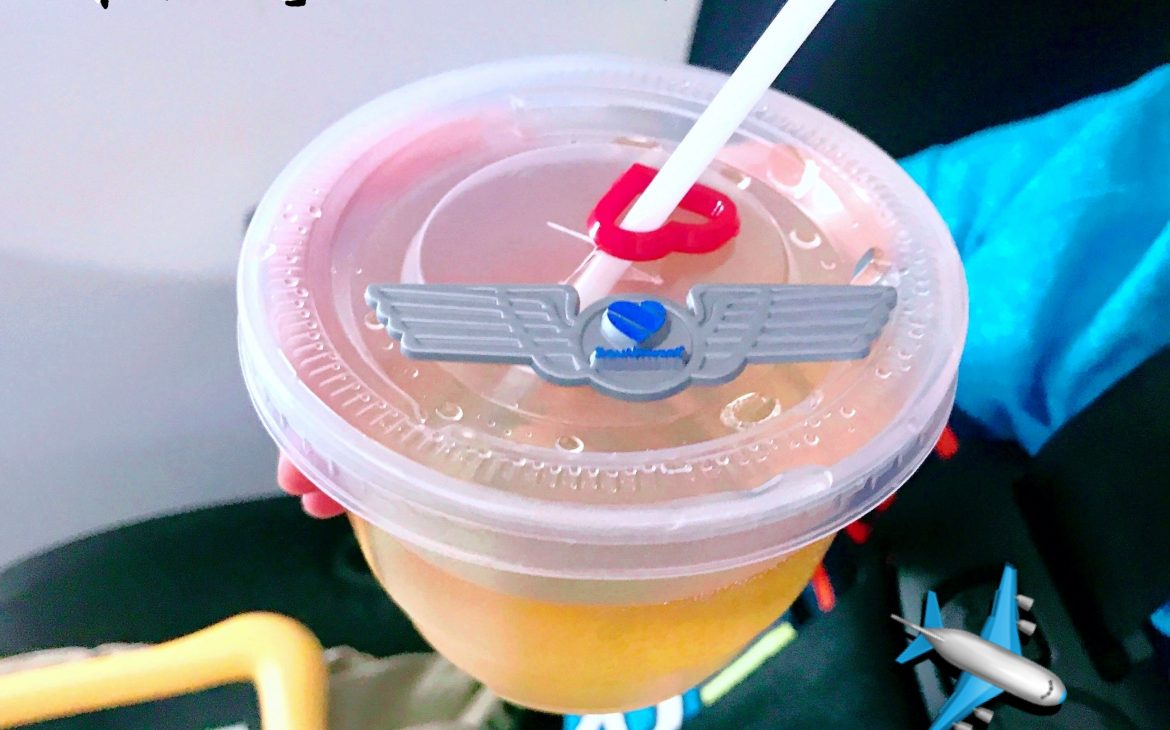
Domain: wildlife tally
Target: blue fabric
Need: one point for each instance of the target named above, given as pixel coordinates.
(1063, 224)
(1160, 623)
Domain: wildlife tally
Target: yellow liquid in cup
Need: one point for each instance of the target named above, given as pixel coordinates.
(583, 658)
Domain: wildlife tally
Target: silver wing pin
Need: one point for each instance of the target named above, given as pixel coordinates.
(633, 348)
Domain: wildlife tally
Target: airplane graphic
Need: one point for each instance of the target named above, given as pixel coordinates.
(991, 662)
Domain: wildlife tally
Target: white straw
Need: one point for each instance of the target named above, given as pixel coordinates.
(739, 95)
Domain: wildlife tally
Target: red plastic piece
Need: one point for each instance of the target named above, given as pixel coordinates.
(858, 532)
(948, 444)
(823, 589)
(721, 226)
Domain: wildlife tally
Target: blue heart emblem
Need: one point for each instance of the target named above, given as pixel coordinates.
(637, 322)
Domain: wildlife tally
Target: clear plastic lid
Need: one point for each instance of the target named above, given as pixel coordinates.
(487, 176)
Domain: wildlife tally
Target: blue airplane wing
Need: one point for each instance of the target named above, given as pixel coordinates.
(970, 692)
(1001, 624)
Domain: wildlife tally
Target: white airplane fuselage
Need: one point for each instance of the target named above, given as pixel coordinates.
(1010, 672)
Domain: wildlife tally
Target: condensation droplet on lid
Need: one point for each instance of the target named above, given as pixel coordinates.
(391, 344)
(414, 373)
(813, 399)
(290, 216)
(314, 211)
(800, 242)
(572, 444)
(812, 439)
(882, 372)
(848, 412)
(302, 230)
(748, 410)
(371, 320)
(904, 354)
(449, 411)
(828, 265)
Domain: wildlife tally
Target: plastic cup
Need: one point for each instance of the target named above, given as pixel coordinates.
(575, 552)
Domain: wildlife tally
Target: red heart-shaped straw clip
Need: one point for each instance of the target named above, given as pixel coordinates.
(721, 226)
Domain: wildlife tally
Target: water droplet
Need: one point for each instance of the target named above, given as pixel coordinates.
(828, 265)
(371, 320)
(807, 244)
(491, 424)
(314, 211)
(813, 400)
(302, 230)
(812, 439)
(572, 444)
(414, 373)
(507, 432)
(292, 281)
(449, 411)
(882, 372)
(390, 345)
(848, 412)
(290, 216)
(748, 409)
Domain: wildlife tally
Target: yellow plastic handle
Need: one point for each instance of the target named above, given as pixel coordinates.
(279, 656)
